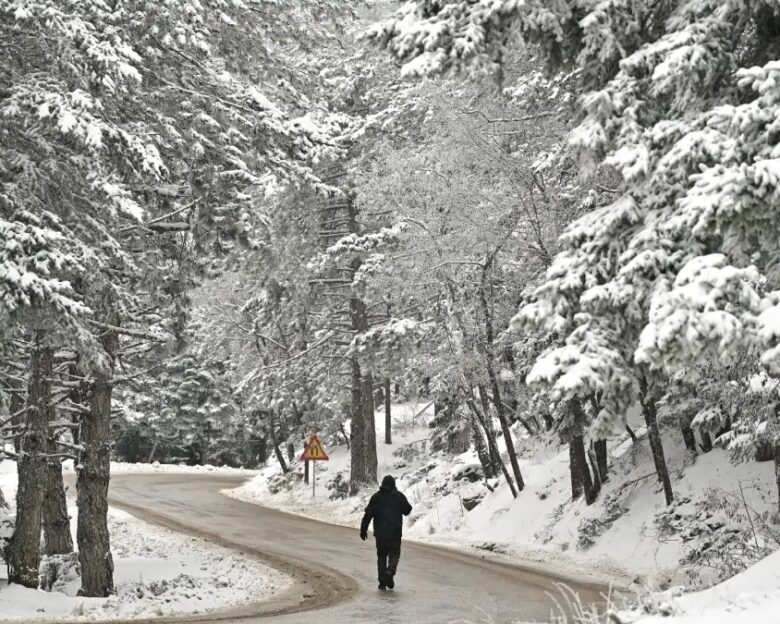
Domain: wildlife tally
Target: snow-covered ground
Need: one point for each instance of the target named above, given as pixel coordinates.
(627, 537)
(157, 572)
(751, 597)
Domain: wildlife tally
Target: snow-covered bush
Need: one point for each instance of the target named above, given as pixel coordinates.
(338, 487)
(723, 536)
(410, 453)
(56, 571)
(279, 481)
(591, 528)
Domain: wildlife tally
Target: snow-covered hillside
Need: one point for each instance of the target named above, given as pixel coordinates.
(157, 572)
(718, 525)
(751, 597)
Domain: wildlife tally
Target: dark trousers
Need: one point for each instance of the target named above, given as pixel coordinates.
(387, 556)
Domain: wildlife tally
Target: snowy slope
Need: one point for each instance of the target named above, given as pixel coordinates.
(158, 572)
(751, 597)
(627, 536)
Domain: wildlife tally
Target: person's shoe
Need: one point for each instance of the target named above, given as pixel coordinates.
(382, 586)
(390, 581)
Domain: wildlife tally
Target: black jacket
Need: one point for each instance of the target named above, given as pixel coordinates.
(386, 508)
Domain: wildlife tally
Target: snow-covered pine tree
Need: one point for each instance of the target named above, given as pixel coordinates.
(122, 123)
(679, 100)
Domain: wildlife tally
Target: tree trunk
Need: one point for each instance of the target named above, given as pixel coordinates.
(297, 416)
(492, 447)
(706, 442)
(356, 451)
(689, 437)
(306, 472)
(507, 434)
(574, 473)
(388, 414)
(260, 448)
(24, 549)
(631, 434)
(363, 465)
(93, 474)
(594, 466)
(777, 473)
(150, 459)
(275, 442)
(344, 435)
(582, 481)
(363, 460)
(656, 445)
(482, 451)
(490, 367)
(506, 431)
(56, 523)
(601, 459)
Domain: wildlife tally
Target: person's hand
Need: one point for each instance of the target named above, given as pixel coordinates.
(363, 535)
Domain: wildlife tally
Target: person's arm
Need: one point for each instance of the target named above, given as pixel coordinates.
(406, 508)
(367, 517)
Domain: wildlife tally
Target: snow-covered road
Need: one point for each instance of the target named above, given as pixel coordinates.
(334, 570)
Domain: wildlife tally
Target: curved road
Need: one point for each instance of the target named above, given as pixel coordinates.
(333, 571)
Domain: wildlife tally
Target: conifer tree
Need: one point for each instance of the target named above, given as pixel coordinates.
(678, 99)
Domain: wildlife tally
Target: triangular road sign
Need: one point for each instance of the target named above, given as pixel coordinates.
(314, 451)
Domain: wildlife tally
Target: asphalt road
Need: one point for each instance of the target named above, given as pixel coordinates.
(334, 572)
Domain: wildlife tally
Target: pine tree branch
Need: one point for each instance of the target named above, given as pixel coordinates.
(75, 447)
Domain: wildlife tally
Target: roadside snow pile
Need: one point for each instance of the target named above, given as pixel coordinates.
(120, 467)
(719, 525)
(751, 597)
(157, 573)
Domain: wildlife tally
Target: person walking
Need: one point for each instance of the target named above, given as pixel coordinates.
(386, 508)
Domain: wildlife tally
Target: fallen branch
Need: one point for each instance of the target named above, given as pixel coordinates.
(627, 483)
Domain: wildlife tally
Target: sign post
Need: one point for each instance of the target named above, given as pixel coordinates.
(313, 451)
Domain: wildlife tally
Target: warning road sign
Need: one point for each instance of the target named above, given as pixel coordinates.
(314, 451)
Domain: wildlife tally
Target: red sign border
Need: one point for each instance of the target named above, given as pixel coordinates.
(314, 441)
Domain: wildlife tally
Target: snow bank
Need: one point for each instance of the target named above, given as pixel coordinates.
(158, 572)
(157, 467)
(751, 597)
